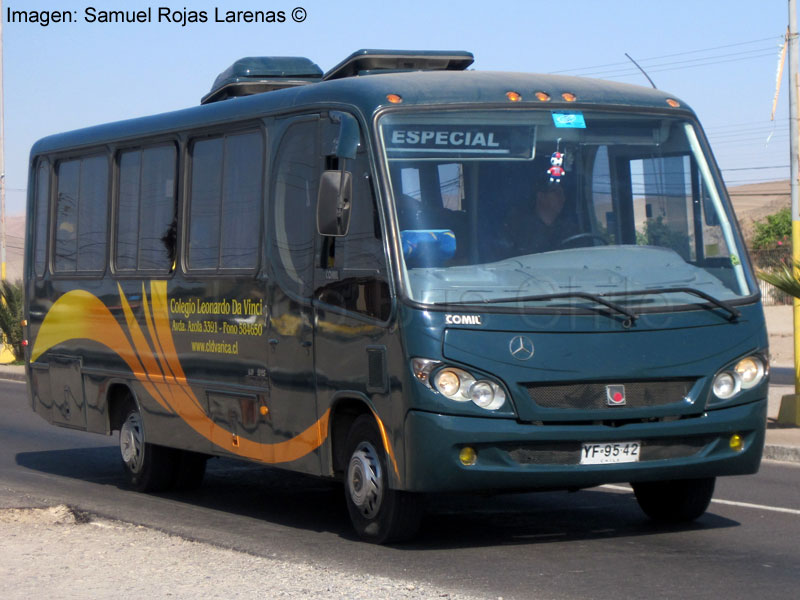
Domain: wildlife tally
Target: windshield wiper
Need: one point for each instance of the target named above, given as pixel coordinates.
(733, 313)
(630, 316)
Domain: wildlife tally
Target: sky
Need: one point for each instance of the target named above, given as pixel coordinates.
(718, 56)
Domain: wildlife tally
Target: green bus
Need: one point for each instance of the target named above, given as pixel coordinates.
(404, 275)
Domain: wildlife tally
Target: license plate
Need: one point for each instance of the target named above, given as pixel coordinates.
(610, 453)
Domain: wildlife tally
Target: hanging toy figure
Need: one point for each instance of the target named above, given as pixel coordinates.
(556, 171)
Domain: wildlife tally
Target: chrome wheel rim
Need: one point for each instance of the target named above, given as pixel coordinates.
(131, 442)
(365, 480)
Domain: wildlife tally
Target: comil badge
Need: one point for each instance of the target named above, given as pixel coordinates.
(615, 395)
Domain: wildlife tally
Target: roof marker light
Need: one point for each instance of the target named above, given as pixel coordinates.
(673, 103)
(542, 96)
(394, 98)
(513, 96)
(569, 97)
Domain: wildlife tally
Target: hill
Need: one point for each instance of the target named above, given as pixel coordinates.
(755, 201)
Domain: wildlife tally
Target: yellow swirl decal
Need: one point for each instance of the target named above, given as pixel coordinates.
(152, 358)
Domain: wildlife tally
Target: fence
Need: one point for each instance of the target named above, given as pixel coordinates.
(772, 261)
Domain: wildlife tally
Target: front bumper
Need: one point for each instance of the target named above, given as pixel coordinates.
(519, 456)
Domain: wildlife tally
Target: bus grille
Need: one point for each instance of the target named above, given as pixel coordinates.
(588, 396)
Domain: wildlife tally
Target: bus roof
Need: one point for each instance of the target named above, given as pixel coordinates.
(368, 93)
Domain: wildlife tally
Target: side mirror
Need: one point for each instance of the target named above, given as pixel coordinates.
(349, 136)
(333, 203)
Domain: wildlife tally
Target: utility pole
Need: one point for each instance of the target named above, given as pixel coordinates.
(790, 406)
(2, 162)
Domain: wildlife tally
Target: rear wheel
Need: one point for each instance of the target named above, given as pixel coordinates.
(150, 468)
(379, 514)
(678, 501)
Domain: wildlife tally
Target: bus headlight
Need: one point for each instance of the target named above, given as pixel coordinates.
(449, 382)
(481, 393)
(744, 375)
(487, 395)
(727, 385)
(460, 386)
(751, 371)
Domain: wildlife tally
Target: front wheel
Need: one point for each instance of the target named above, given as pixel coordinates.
(379, 514)
(678, 501)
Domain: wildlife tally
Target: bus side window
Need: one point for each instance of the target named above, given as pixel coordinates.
(81, 211)
(42, 211)
(205, 204)
(146, 215)
(226, 198)
(294, 207)
(66, 236)
(353, 271)
(241, 200)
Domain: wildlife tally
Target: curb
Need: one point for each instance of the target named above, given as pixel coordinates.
(12, 376)
(782, 453)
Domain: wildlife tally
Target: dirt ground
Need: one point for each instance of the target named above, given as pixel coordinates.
(56, 552)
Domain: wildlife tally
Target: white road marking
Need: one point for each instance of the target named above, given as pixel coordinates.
(778, 509)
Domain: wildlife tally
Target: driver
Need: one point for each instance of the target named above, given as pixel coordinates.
(548, 224)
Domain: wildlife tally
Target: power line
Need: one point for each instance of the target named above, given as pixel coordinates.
(619, 73)
(774, 138)
(675, 54)
(757, 168)
(745, 54)
(748, 131)
(763, 122)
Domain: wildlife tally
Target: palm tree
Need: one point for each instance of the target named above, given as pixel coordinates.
(11, 317)
(783, 279)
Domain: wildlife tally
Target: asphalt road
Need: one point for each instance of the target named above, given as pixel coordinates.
(590, 544)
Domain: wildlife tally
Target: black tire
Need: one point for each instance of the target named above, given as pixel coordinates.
(678, 501)
(150, 468)
(379, 514)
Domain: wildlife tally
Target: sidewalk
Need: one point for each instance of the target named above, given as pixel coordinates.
(12, 372)
(783, 442)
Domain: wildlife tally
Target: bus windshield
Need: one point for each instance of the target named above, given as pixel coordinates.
(531, 206)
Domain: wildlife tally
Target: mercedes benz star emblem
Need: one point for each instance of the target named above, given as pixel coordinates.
(521, 347)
